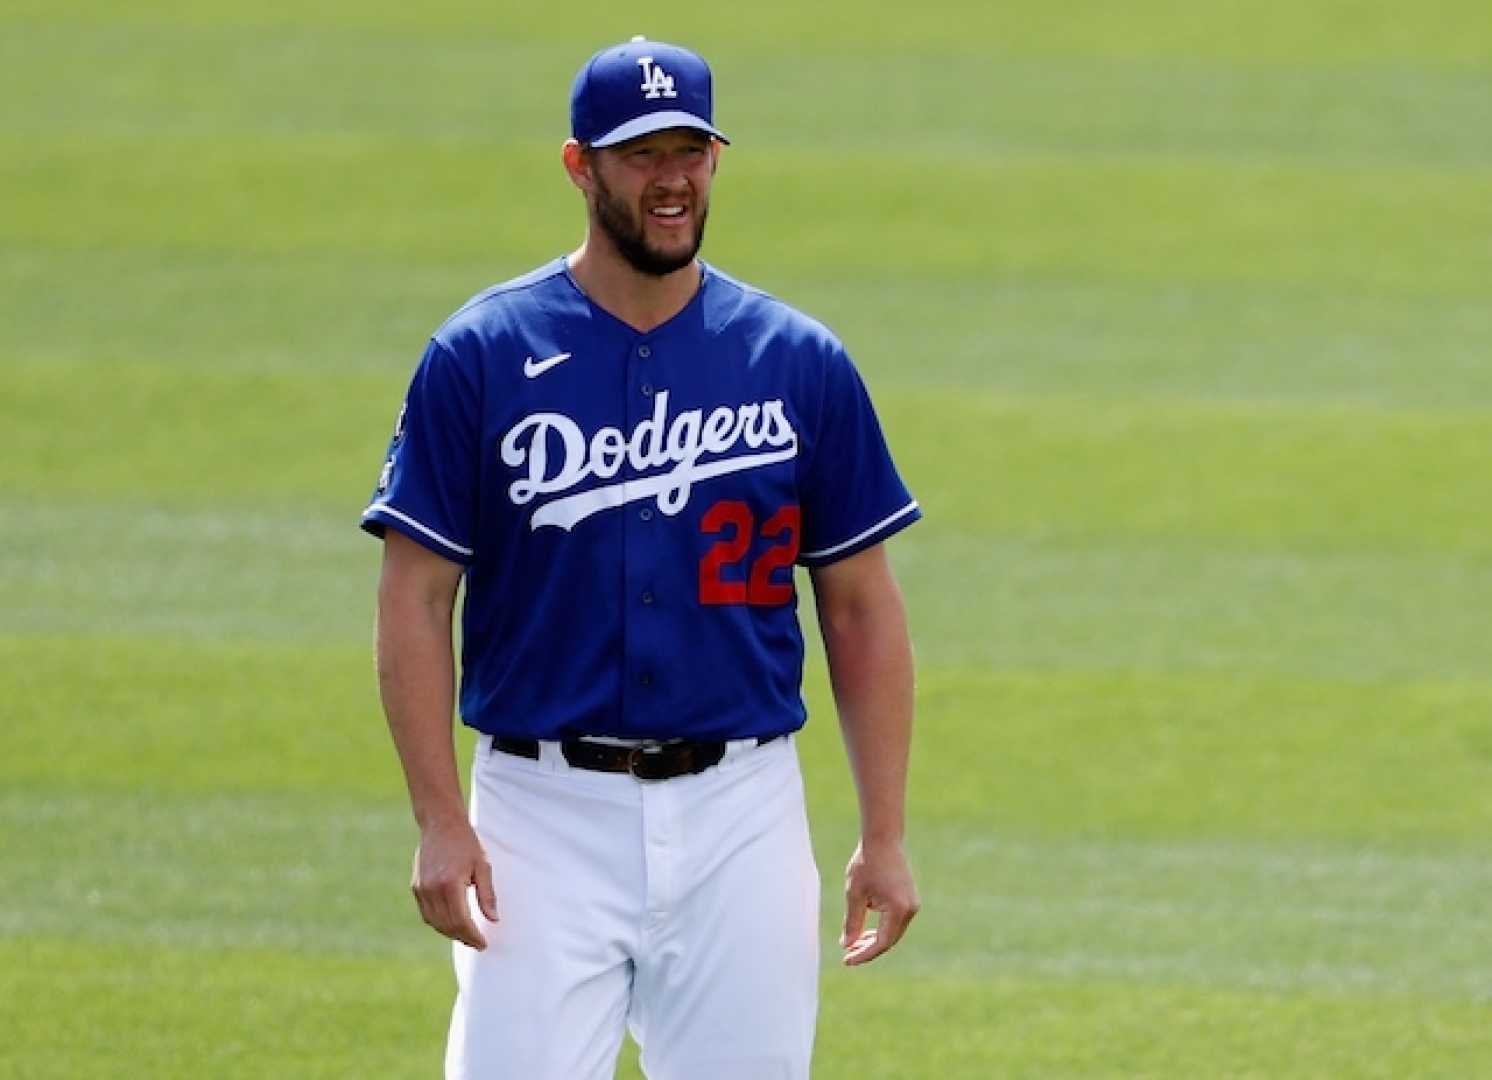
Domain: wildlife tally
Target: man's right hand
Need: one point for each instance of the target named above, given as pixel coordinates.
(449, 861)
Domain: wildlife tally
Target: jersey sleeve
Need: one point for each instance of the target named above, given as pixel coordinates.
(852, 495)
(428, 487)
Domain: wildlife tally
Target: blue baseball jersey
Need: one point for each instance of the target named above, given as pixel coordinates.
(629, 506)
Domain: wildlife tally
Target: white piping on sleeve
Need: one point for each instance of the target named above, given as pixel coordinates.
(852, 541)
(385, 508)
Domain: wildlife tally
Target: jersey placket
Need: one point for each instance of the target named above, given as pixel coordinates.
(641, 597)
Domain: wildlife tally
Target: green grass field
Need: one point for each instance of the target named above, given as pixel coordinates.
(1179, 316)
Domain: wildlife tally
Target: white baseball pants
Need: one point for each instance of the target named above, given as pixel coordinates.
(685, 909)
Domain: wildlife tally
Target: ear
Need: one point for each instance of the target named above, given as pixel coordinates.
(716, 149)
(577, 164)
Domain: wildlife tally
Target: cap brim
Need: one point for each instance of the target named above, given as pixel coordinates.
(658, 121)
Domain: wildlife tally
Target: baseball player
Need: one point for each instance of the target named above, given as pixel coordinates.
(623, 455)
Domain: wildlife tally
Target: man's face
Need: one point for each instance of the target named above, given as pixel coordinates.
(652, 196)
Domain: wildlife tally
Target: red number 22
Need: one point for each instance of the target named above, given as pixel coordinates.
(759, 589)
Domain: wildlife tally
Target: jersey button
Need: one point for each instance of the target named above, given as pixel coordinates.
(647, 389)
(645, 679)
(644, 351)
(647, 598)
(646, 513)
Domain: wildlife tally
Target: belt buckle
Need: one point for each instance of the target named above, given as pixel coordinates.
(640, 754)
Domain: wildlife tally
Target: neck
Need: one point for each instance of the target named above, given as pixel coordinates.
(642, 301)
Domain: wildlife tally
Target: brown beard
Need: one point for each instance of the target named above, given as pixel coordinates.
(629, 238)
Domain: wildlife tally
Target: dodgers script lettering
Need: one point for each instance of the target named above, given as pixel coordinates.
(676, 446)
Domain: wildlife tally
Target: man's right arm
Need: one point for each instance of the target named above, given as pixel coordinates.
(417, 682)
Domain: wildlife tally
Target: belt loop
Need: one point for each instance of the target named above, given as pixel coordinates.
(737, 750)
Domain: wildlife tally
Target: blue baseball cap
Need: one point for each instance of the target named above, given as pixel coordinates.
(635, 89)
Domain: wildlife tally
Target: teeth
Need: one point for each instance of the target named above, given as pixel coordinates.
(668, 211)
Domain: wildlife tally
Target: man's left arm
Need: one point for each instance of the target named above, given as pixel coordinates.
(864, 628)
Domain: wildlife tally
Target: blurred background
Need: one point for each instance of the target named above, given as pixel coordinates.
(1179, 317)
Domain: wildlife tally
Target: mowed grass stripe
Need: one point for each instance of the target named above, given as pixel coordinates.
(111, 1009)
(265, 572)
(1148, 604)
(1332, 33)
(1124, 754)
(1026, 336)
(312, 315)
(1228, 754)
(1033, 1027)
(1244, 474)
(1062, 336)
(255, 1013)
(1238, 474)
(230, 80)
(327, 874)
(1088, 753)
(153, 433)
(164, 713)
(1131, 219)
(271, 571)
(293, 870)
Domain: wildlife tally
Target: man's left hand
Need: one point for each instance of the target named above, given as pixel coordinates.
(878, 879)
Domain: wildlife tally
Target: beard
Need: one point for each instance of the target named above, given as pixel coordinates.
(628, 234)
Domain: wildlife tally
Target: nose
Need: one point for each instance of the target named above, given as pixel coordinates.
(673, 172)
(671, 176)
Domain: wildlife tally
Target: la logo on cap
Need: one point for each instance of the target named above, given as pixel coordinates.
(656, 82)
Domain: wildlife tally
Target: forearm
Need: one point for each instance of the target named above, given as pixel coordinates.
(870, 668)
(416, 680)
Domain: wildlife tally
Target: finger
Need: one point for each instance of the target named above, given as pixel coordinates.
(465, 930)
(432, 905)
(854, 916)
(459, 924)
(486, 896)
(861, 949)
(427, 894)
(445, 908)
(890, 927)
(427, 899)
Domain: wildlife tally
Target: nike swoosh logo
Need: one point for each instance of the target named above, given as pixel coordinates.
(534, 368)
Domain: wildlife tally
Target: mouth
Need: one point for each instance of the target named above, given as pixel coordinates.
(670, 215)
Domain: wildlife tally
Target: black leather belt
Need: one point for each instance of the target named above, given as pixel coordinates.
(651, 761)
